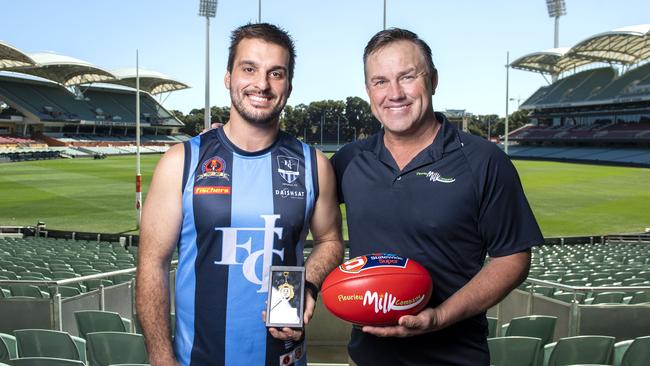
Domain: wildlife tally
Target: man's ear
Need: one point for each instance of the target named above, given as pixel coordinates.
(226, 80)
(434, 81)
(290, 90)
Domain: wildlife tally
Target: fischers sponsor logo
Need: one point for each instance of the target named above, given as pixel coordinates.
(288, 193)
(211, 190)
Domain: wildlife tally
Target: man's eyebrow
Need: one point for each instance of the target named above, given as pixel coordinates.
(278, 67)
(399, 74)
(377, 77)
(407, 71)
(247, 62)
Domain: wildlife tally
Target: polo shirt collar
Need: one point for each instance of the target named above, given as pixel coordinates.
(447, 139)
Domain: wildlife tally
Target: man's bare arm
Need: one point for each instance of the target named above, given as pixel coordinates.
(160, 227)
(325, 227)
(500, 276)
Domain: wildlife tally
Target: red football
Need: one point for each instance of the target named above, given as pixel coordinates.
(376, 289)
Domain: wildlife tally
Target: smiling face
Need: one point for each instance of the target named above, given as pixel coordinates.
(400, 87)
(259, 82)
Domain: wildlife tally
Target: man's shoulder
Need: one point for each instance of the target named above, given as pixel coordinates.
(287, 139)
(480, 149)
(350, 150)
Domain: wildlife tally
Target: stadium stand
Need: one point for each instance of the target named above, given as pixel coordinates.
(588, 105)
(63, 107)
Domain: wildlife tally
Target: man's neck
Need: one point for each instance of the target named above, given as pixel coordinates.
(405, 147)
(250, 137)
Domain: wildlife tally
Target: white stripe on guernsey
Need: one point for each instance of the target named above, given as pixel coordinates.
(185, 275)
(252, 196)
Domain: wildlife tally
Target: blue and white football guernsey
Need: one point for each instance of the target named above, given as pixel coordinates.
(242, 213)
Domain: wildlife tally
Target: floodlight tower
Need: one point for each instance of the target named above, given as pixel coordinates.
(556, 8)
(384, 14)
(207, 9)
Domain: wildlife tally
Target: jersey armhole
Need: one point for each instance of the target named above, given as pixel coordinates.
(314, 171)
(186, 162)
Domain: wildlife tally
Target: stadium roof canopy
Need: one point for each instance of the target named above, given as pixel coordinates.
(64, 70)
(150, 81)
(551, 61)
(625, 46)
(13, 57)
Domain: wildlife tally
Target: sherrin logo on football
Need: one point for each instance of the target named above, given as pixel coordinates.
(376, 289)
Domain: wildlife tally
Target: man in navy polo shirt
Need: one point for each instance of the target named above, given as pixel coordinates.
(424, 190)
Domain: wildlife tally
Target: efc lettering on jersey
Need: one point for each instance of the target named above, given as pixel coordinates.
(230, 245)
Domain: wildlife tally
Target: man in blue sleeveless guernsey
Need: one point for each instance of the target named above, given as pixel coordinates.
(234, 201)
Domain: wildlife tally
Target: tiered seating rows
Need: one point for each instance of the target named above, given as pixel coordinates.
(39, 259)
(593, 265)
(104, 341)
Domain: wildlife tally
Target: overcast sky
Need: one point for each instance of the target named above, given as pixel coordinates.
(469, 40)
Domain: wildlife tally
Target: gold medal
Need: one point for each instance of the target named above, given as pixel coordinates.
(286, 290)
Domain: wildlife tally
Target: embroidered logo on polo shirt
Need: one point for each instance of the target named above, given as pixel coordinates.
(436, 177)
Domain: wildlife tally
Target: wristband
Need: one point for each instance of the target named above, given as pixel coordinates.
(312, 288)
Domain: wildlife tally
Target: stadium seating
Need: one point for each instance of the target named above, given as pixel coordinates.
(624, 85)
(45, 361)
(536, 326)
(634, 352)
(580, 350)
(47, 343)
(610, 297)
(8, 348)
(492, 327)
(112, 348)
(577, 86)
(514, 351)
(89, 321)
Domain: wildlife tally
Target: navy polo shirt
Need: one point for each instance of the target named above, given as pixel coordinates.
(456, 201)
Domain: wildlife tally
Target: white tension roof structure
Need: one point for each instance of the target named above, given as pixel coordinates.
(65, 70)
(13, 57)
(150, 81)
(627, 45)
(69, 71)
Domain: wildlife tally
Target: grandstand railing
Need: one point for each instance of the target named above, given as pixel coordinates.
(624, 321)
(57, 305)
(639, 238)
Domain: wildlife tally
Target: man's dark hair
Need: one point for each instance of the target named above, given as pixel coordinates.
(391, 35)
(266, 32)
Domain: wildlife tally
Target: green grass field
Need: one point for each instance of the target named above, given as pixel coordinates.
(98, 195)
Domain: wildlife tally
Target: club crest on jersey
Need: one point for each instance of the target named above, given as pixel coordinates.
(288, 168)
(215, 167)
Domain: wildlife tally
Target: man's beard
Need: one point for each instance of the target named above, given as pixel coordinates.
(250, 116)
